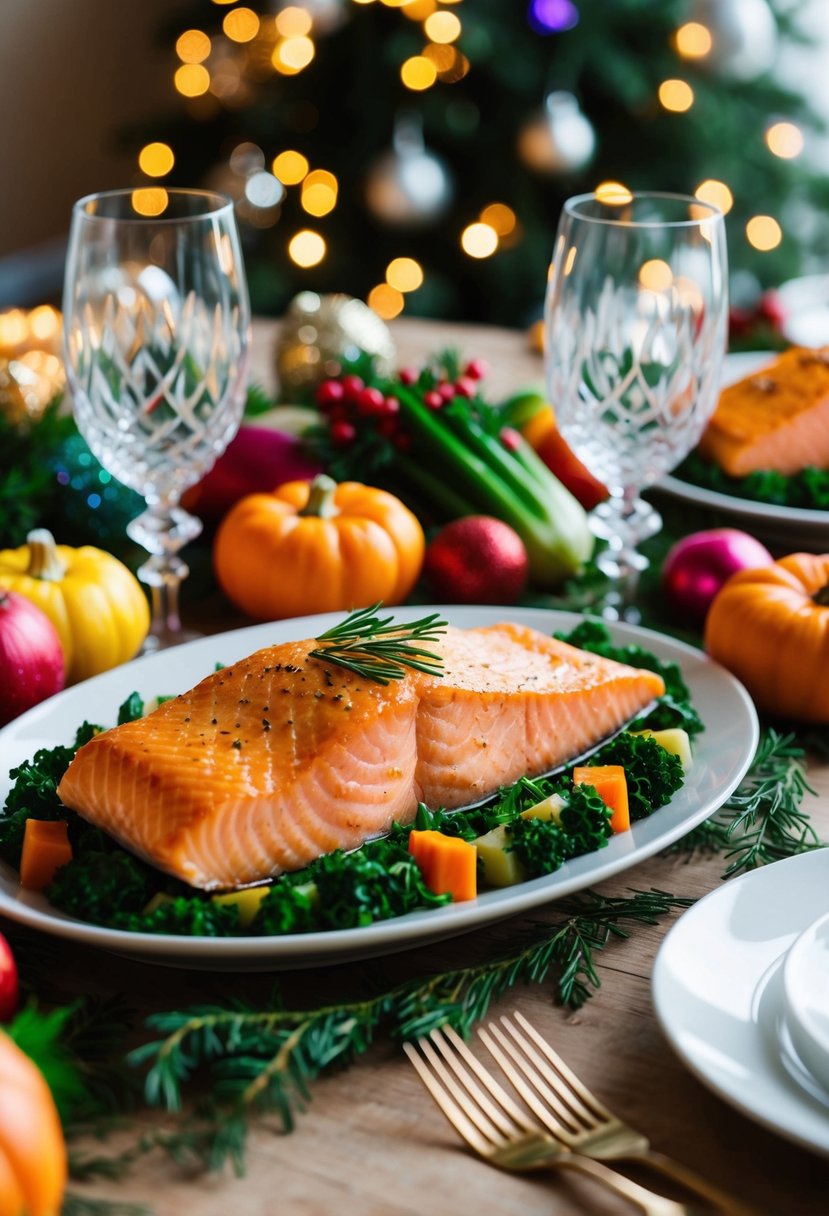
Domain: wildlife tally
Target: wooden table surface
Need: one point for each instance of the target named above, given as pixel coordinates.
(372, 1142)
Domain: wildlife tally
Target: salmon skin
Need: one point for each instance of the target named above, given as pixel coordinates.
(280, 758)
(777, 418)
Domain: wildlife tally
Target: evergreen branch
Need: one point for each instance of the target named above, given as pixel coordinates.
(83, 1205)
(763, 820)
(264, 1060)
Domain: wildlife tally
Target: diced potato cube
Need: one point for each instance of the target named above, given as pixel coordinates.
(550, 808)
(247, 901)
(674, 740)
(501, 867)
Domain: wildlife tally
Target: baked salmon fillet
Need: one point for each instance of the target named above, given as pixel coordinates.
(777, 418)
(269, 763)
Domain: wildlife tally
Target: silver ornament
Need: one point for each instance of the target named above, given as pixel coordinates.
(743, 36)
(319, 332)
(408, 186)
(558, 139)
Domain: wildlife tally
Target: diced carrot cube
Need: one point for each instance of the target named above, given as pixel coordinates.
(46, 848)
(611, 785)
(448, 864)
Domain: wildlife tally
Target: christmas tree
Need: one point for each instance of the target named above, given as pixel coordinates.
(417, 154)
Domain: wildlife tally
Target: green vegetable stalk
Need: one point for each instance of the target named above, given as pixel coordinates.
(453, 458)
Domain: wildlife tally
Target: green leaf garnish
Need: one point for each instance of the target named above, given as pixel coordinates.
(380, 648)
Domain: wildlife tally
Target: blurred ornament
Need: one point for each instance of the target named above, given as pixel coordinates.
(552, 16)
(92, 507)
(319, 332)
(28, 383)
(558, 140)
(409, 186)
(743, 33)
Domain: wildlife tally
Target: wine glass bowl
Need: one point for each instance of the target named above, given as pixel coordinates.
(635, 329)
(157, 341)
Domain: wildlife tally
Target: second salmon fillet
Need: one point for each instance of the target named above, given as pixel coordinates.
(271, 762)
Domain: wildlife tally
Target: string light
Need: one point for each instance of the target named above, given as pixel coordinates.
(500, 217)
(614, 194)
(290, 167)
(319, 192)
(149, 200)
(386, 301)
(293, 22)
(676, 96)
(785, 140)
(693, 40)
(764, 232)
(192, 80)
(418, 73)
(306, 248)
(241, 25)
(404, 274)
(442, 27)
(292, 55)
(193, 46)
(479, 240)
(716, 193)
(156, 159)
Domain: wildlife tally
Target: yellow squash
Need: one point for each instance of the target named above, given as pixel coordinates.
(770, 627)
(95, 603)
(317, 547)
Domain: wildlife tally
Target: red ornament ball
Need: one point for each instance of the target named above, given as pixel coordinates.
(477, 560)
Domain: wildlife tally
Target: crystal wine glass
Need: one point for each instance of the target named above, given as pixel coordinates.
(157, 342)
(635, 322)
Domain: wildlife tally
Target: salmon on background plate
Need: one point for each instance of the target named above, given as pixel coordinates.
(280, 758)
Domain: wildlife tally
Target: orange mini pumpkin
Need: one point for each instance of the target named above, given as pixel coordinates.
(770, 627)
(317, 547)
(32, 1148)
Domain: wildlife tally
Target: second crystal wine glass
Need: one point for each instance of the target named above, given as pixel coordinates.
(157, 341)
(635, 335)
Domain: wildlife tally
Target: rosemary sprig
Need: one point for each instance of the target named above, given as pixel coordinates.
(763, 820)
(381, 649)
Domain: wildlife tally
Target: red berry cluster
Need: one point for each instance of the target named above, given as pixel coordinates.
(347, 400)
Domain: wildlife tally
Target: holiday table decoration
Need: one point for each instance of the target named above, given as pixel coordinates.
(31, 656)
(476, 560)
(320, 333)
(697, 566)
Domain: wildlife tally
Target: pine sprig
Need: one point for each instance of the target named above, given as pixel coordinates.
(265, 1060)
(379, 648)
(763, 820)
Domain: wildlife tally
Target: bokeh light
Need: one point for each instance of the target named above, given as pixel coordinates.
(785, 140)
(306, 248)
(290, 167)
(693, 40)
(293, 22)
(553, 16)
(193, 46)
(614, 194)
(386, 301)
(418, 73)
(479, 240)
(500, 217)
(192, 80)
(292, 55)
(156, 159)
(442, 27)
(241, 25)
(319, 192)
(716, 193)
(655, 275)
(404, 274)
(764, 232)
(149, 200)
(676, 96)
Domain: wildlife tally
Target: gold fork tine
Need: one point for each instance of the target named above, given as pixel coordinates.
(550, 1110)
(516, 1117)
(589, 1102)
(447, 1104)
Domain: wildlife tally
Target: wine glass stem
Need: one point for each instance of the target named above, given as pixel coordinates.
(624, 521)
(162, 530)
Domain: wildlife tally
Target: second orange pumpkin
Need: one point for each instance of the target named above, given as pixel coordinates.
(317, 547)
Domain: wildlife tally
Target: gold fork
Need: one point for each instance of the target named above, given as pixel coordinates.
(566, 1107)
(496, 1128)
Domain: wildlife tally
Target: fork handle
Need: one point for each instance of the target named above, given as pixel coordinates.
(689, 1178)
(650, 1203)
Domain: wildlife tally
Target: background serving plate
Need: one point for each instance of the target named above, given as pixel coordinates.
(722, 755)
(791, 527)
